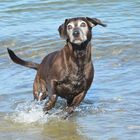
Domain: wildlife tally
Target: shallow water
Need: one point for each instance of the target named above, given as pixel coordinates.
(111, 109)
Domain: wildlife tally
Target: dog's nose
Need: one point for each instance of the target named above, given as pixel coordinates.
(76, 33)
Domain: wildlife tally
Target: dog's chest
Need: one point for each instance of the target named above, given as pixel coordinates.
(71, 85)
(74, 81)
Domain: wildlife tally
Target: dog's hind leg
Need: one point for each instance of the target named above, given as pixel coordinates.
(52, 97)
(39, 89)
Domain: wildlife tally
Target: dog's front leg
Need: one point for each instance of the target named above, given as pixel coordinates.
(52, 98)
(75, 102)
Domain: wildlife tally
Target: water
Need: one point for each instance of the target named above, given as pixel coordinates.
(111, 109)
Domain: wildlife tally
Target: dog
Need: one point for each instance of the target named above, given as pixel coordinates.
(68, 72)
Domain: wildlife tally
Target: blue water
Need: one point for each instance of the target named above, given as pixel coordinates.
(111, 109)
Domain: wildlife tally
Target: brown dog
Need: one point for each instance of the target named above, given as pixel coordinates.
(67, 73)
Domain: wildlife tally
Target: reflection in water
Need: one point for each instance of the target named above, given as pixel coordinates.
(62, 130)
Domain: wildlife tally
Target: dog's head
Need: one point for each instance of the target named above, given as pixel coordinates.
(78, 30)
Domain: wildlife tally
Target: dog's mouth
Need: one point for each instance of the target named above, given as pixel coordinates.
(77, 40)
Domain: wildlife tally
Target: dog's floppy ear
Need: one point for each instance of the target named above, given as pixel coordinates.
(94, 21)
(63, 30)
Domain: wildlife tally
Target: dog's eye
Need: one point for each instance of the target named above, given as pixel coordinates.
(83, 24)
(69, 27)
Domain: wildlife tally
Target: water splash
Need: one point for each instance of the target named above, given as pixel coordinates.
(32, 112)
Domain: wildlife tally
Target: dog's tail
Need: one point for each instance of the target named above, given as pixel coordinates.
(18, 60)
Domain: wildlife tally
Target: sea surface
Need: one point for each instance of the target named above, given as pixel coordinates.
(111, 109)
